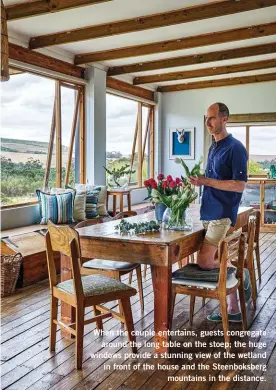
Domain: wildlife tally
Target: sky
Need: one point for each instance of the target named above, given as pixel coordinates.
(27, 106)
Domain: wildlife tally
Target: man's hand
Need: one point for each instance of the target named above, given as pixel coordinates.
(197, 181)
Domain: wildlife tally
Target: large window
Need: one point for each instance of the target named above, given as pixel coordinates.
(33, 122)
(260, 141)
(129, 128)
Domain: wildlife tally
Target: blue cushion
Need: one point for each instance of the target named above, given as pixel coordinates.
(92, 198)
(57, 208)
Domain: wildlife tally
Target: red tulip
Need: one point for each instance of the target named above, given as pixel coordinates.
(169, 178)
(160, 176)
(177, 180)
(154, 185)
(172, 184)
(165, 184)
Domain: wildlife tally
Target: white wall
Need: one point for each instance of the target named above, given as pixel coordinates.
(187, 109)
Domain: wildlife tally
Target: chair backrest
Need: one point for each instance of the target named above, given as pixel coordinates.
(232, 247)
(124, 214)
(258, 224)
(64, 240)
(88, 222)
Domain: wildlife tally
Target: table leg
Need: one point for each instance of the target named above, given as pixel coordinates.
(114, 205)
(67, 312)
(121, 203)
(129, 202)
(162, 285)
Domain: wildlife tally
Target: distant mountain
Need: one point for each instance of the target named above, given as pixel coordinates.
(262, 157)
(26, 146)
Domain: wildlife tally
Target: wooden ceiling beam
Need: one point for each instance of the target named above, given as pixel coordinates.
(189, 74)
(184, 15)
(219, 83)
(42, 7)
(194, 59)
(129, 89)
(238, 34)
(27, 56)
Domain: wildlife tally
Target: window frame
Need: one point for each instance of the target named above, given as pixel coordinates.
(251, 120)
(138, 137)
(61, 82)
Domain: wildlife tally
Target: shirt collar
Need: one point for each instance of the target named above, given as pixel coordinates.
(222, 141)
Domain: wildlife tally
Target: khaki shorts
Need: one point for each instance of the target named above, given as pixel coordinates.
(216, 230)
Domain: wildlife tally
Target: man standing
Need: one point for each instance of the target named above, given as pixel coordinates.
(224, 181)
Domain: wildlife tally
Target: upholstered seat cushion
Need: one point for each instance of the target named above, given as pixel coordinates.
(109, 265)
(230, 282)
(94, 285)
(194, 272)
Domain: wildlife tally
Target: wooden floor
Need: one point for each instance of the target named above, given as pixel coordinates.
(27, 362)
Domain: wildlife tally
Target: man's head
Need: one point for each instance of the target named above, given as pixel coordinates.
(216, 118)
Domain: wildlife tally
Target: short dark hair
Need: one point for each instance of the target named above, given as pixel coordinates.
(223, 109)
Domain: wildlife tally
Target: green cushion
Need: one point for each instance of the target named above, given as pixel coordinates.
(194, 272)
(94, 285)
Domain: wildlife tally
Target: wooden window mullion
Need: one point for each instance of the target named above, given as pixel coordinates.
(139, 138)
(73, 133)
(151, 142)
(58, 136)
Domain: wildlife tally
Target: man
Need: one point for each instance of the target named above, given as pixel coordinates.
(224, 181)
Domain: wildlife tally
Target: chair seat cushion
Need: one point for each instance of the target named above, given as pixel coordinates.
(109, 265)
(230, 282)
(94, 285)
(194, 272)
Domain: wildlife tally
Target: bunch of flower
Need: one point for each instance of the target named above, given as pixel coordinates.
(163, 185)
(137, 228)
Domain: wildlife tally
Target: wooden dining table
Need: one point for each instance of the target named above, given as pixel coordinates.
(160, 250)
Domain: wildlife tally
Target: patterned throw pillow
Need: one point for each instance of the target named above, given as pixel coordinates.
(101, 206)
(57, 208)
(92, 198)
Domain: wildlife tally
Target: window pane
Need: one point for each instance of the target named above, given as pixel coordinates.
(67, 115)
(121, 116)
(145, 138)
(238, 132)
(262, 148)
(27, 110)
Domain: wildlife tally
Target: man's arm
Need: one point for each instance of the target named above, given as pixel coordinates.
(225, 185)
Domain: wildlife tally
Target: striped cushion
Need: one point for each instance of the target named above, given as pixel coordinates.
(57, 208)
(92, 198)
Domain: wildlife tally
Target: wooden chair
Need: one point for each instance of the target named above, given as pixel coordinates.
(81, 292)
(256, 248)
(230, 247)
(113, 269)
(249, 253)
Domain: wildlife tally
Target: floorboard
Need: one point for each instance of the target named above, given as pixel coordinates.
(26, 361)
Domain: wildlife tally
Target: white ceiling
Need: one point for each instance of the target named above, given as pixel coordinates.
(124, 9)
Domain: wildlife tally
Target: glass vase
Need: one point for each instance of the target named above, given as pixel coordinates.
(159, 211)
(177, 220)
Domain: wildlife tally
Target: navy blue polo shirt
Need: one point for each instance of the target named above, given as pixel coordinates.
(227, 160)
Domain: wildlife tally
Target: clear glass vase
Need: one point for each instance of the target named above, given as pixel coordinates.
(179, 220)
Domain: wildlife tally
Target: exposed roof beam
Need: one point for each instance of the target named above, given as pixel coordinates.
(42, 7)
(184, 15)
(194, 59)
(189, 74)
(237, 34)
(130, 89)
(22, 54)
(219, 83)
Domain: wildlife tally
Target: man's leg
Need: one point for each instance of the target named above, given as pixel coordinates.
(215, 232)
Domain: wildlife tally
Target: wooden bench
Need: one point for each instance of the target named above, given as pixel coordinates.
(29, 241)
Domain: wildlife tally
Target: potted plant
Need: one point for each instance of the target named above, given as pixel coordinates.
(116, 173)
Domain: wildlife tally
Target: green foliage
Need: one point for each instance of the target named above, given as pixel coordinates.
(116, 173)
(137, 228)
(255, 168)
(6, 149)
(194, 172)
(21, 180)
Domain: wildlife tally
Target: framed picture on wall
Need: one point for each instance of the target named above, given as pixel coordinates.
(182, 143)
